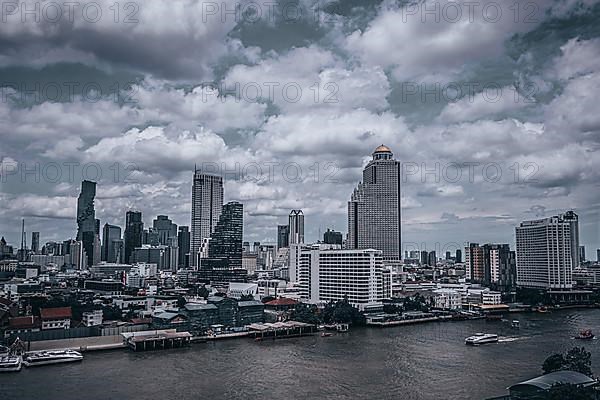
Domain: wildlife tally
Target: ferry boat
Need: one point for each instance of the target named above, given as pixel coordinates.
(585, 334)
(10, 363)
(36, 358)
(481, 338)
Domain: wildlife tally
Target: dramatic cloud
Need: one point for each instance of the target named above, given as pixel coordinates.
(490, 106)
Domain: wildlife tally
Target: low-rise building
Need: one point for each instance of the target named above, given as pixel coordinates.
(447, 299)
(56, 318)
(92, 318)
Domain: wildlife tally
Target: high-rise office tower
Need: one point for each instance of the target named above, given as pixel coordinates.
(165, 229)
(374, 208)
(183, 244)
(224, 261)
(448, 255)
(332, 237)
(544, 251)
(207, 203)
(475, 263)
(458, 256)
(87, 225)
(283, 236)
(581, 254)
(432, 258)
(110, 234)
(296, 226)
(598, 255)
(134, 228)
(35, 242)
(424, 257)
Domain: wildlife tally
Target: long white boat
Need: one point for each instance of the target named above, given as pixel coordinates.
(481, 338)
(36, 358)
(10, 363)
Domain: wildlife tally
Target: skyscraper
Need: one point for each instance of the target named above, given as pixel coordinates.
(283, 236)
(207, 202)
(224, 261)
(374, 208)
(110, 235)
(183, 243)
(87, 225)
(544, 251)
(35, 242)
(432, 258)
(296, 226)
(581, 254)
(332, 237)
(134, 228)
(458, 256)
(165, 228)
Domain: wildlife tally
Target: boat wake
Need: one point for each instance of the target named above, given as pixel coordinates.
(512, 339)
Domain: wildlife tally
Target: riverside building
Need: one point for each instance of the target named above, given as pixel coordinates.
(333, 274)
(544, 252)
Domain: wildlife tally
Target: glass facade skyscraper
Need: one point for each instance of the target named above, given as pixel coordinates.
(134, 229)
(88, 228)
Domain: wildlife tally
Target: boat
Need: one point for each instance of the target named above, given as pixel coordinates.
(36, 358)
(326, 334)
(542, 309)
(585, 334)
(515, 324)
(481, 338)
(10, 363)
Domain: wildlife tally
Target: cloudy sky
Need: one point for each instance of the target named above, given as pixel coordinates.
(491, 106)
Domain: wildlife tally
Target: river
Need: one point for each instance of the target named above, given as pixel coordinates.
(427, 361)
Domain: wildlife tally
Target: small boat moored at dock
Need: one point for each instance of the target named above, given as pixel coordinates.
(35, 358)
(481, 338)
(10, 363)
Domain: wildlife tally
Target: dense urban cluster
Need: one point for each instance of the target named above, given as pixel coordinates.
(205, 280)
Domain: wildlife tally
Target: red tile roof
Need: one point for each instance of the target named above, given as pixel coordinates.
(55, 313)
(24, 322)
(282, 301)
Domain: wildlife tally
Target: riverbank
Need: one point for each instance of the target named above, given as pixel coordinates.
(422, 361)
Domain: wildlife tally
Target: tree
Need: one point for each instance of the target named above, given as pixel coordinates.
(553, 363)
(181, 301)
(305, 313)
(246, 297)
(576, 359)
(342, 312)
(203, 292)
(571, 392)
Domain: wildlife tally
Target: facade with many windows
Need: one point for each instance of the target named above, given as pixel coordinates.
(374, 208)
(544, 252)
(331, 275)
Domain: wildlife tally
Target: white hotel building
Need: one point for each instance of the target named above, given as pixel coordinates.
(332, 274)
(545, 248)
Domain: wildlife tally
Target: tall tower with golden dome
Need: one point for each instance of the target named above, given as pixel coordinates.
(374, 212)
